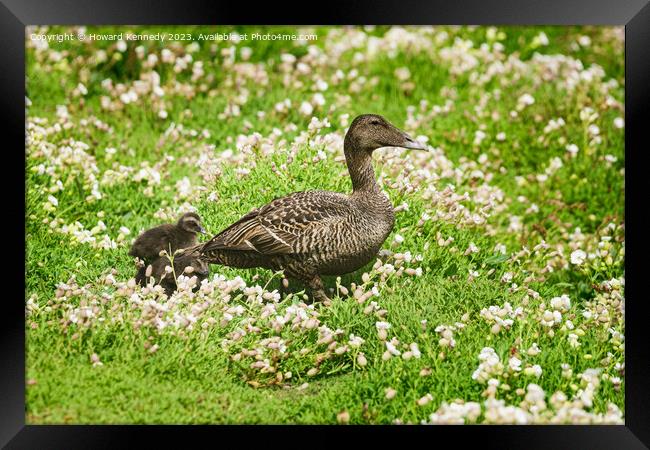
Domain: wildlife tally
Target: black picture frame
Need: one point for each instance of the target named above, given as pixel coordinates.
(633, 14)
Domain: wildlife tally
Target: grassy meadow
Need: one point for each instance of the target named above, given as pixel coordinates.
(498, 298)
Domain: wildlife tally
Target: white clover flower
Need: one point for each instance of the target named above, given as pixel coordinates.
(578, 257)
(472, 248)
(402, 73)
(500, 248)
(562, 303)
(584, 41)
(619, 122)
(382, 330)
(321, 85)
(479, 136)
(515, 364)
(526, 99)
(94, 359)
(306, 109)
(572, 149)
(551, 318)
(490, 365)
(593, 130)
(355, 341)
(318, 99)
(573, 340)
(392, 349)
(246, 53)
(456, 413)
(535, 370)
(52, 200)
(361, 360)
(534, 350)
(424, 400)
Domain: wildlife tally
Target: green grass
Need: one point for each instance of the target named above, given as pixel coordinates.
(191, 378)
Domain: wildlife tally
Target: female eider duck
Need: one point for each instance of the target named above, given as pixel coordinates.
(314, 233)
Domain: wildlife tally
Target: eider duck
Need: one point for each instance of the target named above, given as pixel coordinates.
(168, 237)
(315, 233)
(188, 263)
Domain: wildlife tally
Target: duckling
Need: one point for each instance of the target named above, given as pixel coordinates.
(187, 263)
(169, 237)
(315, 233)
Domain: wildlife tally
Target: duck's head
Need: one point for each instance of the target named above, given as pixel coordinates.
(369, 132)
(190, 222)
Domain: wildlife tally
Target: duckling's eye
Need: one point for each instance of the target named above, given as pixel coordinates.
(374, 122)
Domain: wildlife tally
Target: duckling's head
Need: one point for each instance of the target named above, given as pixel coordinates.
(371, 131)
(190, 222)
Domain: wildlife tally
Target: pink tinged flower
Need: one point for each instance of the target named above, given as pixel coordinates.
(392, 349)
(343, 417)
(306, 109)
(361, 360)
(562, 303)
(584, 41)
(515, 364)
(526, 99)
(425, 400)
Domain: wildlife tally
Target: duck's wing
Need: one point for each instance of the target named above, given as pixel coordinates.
(277, 227)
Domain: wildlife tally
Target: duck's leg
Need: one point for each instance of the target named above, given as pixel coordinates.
(318, 290)
(140, 277)
(312, 281)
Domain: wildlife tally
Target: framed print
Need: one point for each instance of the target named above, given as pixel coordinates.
(410, 215)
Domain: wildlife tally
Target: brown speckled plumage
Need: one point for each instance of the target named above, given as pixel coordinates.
(314, 233)
(179, 235)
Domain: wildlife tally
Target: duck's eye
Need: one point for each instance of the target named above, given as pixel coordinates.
(374, 122)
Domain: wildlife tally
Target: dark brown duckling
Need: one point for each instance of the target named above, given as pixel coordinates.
(168, 237)
(314, 233)
(185, 263)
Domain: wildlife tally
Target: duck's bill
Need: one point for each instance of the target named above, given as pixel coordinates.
(409, 142)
